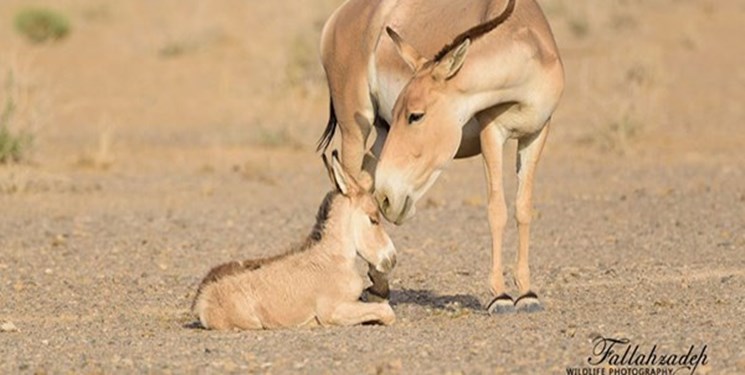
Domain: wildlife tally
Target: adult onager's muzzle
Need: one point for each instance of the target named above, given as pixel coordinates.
(396, 208)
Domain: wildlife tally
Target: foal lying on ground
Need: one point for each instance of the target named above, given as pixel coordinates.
(320, 283)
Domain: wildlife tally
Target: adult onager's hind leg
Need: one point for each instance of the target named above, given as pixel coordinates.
(353, 313)
(492, 145)
(528, 153)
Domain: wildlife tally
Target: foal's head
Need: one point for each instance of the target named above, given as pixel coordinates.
(370, 240)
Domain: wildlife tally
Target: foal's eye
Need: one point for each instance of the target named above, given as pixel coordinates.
(415, 117)
(373, 220)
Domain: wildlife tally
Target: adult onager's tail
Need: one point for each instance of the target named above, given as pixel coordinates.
(328, 133)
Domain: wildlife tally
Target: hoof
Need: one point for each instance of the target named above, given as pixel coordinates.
(379, 291)
(502, 304)
(371, 295)
(528, 303)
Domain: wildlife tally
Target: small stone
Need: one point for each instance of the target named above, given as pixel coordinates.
(474, 201)
(59, 240)
(300, 365)
(740, 364)
(433, 203)
(229, 366)
(570, 331)
(8, 327)
(594, 336)
(390, 367)
(664, 302)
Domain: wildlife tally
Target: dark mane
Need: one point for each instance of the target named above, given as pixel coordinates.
(235, 267)
(321, 218)
(477, 31)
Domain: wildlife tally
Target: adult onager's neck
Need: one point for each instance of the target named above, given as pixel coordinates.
(510, 65)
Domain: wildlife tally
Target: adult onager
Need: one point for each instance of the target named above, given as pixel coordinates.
(319, 283)
(443, 79)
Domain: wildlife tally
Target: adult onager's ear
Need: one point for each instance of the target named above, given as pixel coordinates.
(451, 62)
(339, 177)
(406, 51)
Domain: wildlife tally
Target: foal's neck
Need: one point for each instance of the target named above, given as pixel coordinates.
(332, 232)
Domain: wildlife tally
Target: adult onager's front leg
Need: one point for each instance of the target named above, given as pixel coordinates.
(492, 145)
(380, 290)
(528, 153)
(353, 313)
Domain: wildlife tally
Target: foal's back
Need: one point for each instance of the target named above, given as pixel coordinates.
(255, 294)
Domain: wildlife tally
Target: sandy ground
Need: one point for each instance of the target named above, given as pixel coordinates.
(149, 168)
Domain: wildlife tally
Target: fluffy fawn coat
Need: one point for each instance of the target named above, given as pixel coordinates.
(318, 283)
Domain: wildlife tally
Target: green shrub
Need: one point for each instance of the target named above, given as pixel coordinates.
(12, 146)
(40, 25)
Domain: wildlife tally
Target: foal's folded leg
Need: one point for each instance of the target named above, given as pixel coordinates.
(352, 313)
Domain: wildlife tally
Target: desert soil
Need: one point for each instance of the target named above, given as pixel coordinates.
(171, 136)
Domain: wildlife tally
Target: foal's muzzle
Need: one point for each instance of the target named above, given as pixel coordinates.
(386, 265)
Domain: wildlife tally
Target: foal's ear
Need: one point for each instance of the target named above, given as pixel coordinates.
(339, 177)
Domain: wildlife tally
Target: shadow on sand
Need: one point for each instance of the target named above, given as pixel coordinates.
(193, 325)
(429, 299)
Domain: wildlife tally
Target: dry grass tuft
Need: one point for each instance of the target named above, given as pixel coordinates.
(280, 137)
(190, 43)
(256, 172)
(102, 158)
(12, 146)
(23, 111)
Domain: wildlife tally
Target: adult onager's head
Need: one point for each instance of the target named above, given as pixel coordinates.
(359, 209)
(428, 119)
(425, 133)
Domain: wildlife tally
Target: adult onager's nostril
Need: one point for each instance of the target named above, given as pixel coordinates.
(383, 202)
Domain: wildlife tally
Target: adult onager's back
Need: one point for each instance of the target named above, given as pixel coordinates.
(438, 80)
(319, 283)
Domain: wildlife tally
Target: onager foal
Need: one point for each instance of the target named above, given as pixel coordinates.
(319, 283)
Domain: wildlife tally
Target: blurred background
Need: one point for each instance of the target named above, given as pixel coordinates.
(95, 82)
(143, 141)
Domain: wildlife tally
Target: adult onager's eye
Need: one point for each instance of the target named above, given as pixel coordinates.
(373, 220)
(415, 117)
